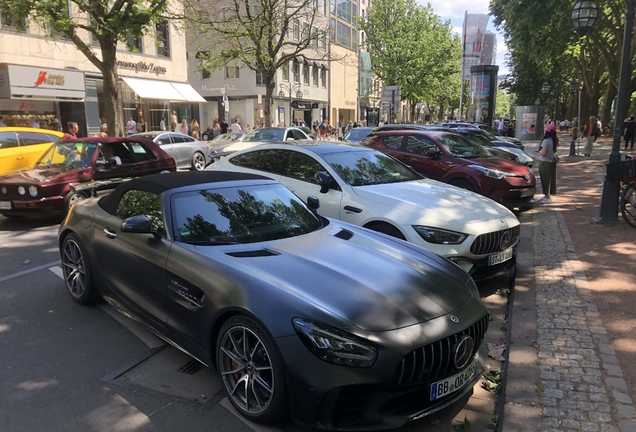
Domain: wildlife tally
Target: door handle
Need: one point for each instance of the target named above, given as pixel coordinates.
(20, 157)
(110, 233)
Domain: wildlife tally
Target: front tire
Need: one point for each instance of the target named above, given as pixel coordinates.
(251, 370)
(77, 272)
(71, 199)
(628, 205)
(198, 161)
(464, 184)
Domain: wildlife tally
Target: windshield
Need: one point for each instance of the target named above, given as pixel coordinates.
(364, 168)
(70, 155)
(267, 135)
(241, 215)
(461, 147)
(357, 134)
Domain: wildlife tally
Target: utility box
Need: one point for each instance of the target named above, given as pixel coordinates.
(529, 124)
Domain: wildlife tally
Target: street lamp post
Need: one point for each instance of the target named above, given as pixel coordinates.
(291, 87)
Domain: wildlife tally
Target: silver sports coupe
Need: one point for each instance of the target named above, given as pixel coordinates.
(338, 326)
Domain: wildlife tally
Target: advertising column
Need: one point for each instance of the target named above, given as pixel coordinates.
(483, 89)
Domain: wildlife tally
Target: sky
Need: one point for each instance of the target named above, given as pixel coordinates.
(454, 10)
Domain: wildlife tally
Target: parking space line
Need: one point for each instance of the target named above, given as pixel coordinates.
(25, 272)
(144, 335)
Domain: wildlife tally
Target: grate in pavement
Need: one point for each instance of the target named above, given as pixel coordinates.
(191, 367)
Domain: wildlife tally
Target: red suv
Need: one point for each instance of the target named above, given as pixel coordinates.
(453, 159)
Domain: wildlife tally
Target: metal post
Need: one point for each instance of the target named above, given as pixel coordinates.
(609, 198)
(461, 99)
(578, 125)
(290, 107)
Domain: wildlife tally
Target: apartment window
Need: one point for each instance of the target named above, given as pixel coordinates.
(162, 38)
(7, 22)
(344, 10)
(314, 76)
(354, 14)
(315, 36)
(205, 74)
(296, 72)
(134, 44)
(259, 79)
(323, 41)
(285, 72)
(231, 72)
(306, 33)
(323, 78)
(333, 6)
(306, 74)
(332, 29)
(324, 6)
(343, 35)
(296, 29)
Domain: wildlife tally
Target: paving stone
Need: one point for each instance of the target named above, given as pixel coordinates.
(622, 397)
(626, 411)
(609, 359)
(606, 349)
(617, 383)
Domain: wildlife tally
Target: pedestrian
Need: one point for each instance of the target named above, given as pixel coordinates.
(2, 123)
(548, 163)
(236, 128)
(248, 127)
(590, 132)
(575, 132)
(216, 129)
(103, 127)
(323, 130)
(184, 127)
(73, 128)
(195, 128)
(34, 124)
(143, 126)
(630, 132)
(131, 126)
(224, 126)
(173, 121)
(500, 126)
(162, 124)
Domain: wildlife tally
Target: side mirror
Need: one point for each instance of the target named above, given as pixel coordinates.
(313, 203)
(137, 224)
(290, 139)
(323, 180)
(434, 153)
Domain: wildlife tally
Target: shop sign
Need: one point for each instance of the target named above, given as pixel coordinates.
(142, 66)
(314, 105)
(43, 78)
(301, 105)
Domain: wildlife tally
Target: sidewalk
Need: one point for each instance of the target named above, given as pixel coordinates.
(569, 347)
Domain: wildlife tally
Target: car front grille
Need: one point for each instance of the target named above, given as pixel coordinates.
(496, 241)
(435, 361)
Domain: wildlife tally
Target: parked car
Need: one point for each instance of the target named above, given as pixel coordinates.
(367, 188)
(189, 153)
(453, 159)
(339, 326)
(307, 131)
(217, 146)
(21, 147)
(261, 136)
(356, 135)
(498, 147)
(483, 127)
(45, 188)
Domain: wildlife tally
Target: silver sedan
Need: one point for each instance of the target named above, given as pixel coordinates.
(188, 152)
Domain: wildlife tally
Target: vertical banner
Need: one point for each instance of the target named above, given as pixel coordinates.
(365, 74)
(480, 91)
(529, 125)
(472, 41)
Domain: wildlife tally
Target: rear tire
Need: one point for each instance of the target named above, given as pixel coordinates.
(198, 161)
(78, 276)
(628, 205)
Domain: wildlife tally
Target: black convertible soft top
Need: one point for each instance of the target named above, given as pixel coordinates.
(159, 183)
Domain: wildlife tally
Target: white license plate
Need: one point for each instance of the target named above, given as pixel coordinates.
(500, 257)
(528, 192)
(5, 205)
(452, 384)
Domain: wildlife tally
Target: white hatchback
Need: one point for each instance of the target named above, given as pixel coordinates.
(368, 188)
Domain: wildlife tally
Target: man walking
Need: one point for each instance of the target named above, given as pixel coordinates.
(630, 132)
(131, 126)
(223, 125)
(590, 132)
(236, 128)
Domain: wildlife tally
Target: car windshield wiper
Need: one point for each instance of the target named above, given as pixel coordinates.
(212, 242)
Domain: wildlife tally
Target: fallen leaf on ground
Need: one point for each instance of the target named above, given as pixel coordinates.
(26, 261)
(496, 351)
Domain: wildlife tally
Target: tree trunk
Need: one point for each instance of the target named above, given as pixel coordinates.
(607, 103)
(267, 106)
(412, 106)
(112, 100)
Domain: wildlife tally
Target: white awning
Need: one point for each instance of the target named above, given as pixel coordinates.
(150, 89)
(188, 92)
(164, 90)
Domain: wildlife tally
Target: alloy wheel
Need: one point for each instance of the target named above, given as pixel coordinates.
(198, 161)
(74, 269)
(246, 369)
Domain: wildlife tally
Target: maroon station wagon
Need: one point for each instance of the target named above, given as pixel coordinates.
(452, 158)
(45, 188)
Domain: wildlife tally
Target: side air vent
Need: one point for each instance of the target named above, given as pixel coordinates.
(253, 253)
(344, 234)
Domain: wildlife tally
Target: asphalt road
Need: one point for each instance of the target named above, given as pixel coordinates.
(65, 367)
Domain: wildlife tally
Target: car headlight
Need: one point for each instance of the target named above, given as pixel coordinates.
(333, 345)
(33, 191)
(491, 172)
(439, 236)
(21, 190)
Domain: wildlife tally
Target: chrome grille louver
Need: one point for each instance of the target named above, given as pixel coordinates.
(490, 243)
(435, 361)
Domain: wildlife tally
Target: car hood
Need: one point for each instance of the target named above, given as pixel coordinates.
(432, 202)
(36, 175)
(372, 282)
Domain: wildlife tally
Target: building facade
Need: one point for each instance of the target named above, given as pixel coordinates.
(48, 79)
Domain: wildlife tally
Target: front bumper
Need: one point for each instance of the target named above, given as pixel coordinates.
(480, 269)
(33, 207)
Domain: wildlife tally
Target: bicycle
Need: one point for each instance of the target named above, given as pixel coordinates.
(624, 173)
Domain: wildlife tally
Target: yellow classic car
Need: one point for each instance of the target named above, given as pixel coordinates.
(21, 147)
